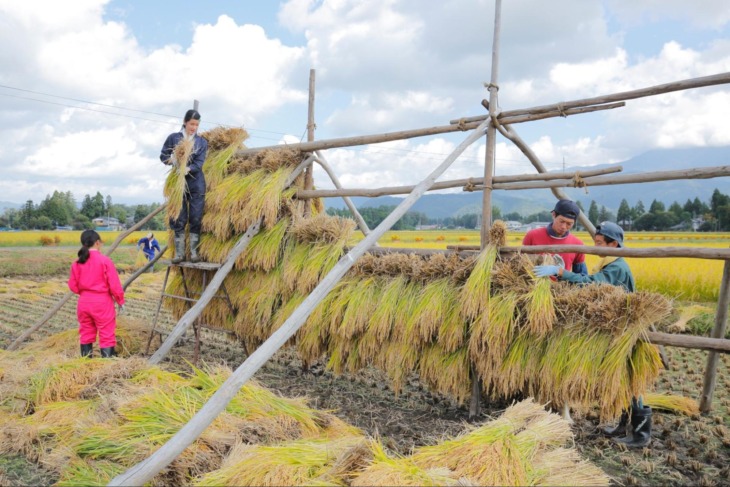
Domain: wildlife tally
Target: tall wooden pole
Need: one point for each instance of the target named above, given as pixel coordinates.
(491, 130)
(476, 383)
(309, 173)
(718, 331)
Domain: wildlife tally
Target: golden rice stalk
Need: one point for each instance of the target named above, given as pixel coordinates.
(214, 250)
(386, 471)
(521, 364)
(475, 293)
(82, 473)
(265, 248)
(313, 338)
(570, 366)
(362, 300)
(491, 334)
(71, 379)
(498, 234)
(222, 138)
(563, 466)
(671, 403)
(323, 228)
(447, 372)
(292, 463)
(645, 365)
(436, 300)
(175, 184)
(540, 314)
(380, 325)
(266, 191)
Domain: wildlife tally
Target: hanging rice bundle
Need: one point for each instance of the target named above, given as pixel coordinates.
(540, 310)
(491, 334)
(447, 372)
(381, 322)
(265, 247)
(222, 146)
(475, 294)
(175, 184)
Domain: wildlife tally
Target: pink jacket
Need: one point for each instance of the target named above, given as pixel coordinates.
(96, 276)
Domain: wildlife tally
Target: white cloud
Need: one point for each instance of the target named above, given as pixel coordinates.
(701, 13)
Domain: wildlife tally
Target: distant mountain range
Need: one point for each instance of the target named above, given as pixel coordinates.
(525, 202)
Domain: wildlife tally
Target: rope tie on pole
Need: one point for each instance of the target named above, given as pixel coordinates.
(489, 86)
(578, 181)
(470, 186)
(561, 110)
(461, 125)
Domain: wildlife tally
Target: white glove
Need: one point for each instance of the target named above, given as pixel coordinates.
(187, 171)
(120, 310)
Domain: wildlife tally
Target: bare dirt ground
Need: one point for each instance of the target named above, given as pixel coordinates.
(684, 450)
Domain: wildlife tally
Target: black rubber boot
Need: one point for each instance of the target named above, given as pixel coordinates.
(620, 428)
(179, 249)
(640, 433)
(108, 352)
(87, 349)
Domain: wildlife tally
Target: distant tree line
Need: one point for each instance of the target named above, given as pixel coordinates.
(61, 210)
(705, 216)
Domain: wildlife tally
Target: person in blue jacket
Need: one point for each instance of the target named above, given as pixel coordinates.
(149, 244)
(194, 199)
(611, 270)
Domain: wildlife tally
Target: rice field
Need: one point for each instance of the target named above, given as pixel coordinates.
(35, 238)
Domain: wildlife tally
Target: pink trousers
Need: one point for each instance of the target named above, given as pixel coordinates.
(96, 314)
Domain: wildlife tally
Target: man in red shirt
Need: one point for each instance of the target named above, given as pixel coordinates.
(558, 233)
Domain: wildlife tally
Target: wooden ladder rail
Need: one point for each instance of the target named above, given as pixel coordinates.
(205, 267)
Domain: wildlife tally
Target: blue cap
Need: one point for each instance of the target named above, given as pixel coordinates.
(612, 231)
(567, 208)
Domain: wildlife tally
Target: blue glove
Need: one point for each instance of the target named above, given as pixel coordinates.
(546, 270)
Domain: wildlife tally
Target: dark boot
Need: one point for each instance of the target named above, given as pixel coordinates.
(179, 249)
(194, 241)
(87, 349)
(640, 433)
(108, 352)
(620, 428)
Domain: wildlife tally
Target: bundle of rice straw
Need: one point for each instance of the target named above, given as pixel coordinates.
(671, 403)
(175, 185)
(524, 446)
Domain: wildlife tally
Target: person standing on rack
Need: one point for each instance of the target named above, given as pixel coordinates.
(194, 198)
(557, 232)
(615, 271)
(148, 244)
(94, 278)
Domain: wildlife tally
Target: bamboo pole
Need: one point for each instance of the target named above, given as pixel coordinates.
(653, 252)
(687, 84)
(67, 297)
(348, 202)
(491, 144)
(422, 132)
(714, 345)
(455, 183)
(647, 177)
(145, 470)
(212, 289)
(309, 172)
(718, 332)
(531, 117)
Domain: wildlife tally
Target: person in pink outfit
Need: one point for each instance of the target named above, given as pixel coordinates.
(94, 278)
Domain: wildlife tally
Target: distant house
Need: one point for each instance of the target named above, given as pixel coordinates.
(513, 225)
(104, 223)
(64, 227)
(426, 227)
(532, 225)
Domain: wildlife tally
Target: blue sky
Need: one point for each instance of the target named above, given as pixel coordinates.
(90, 89)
